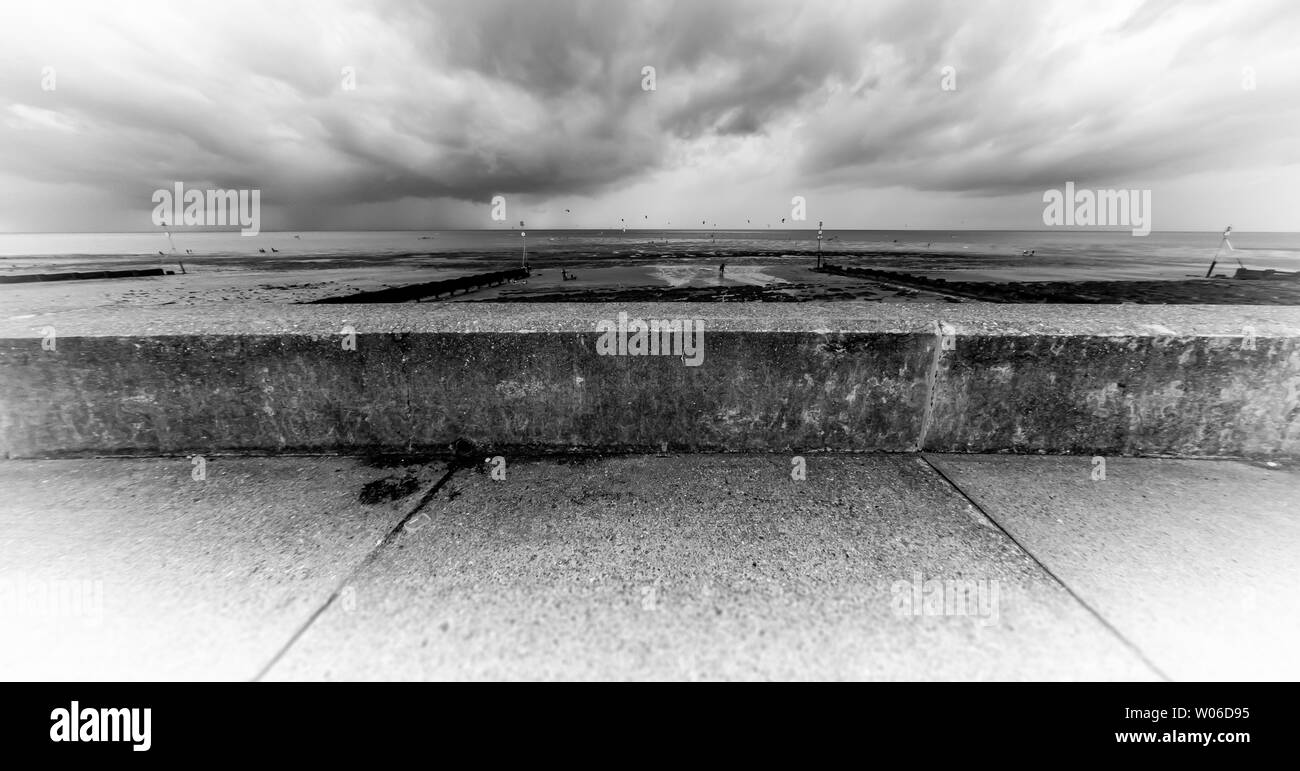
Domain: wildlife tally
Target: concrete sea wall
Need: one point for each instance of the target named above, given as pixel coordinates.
(1192, 381)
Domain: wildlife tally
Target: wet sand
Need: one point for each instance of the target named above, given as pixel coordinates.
(647, 272)
(1189, 291)
(673, 283)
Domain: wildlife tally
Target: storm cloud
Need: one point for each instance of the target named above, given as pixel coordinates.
(391, 113)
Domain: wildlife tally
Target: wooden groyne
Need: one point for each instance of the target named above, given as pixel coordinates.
(431, 289)
(24, 278)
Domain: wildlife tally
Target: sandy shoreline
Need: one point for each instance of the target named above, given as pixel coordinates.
(638, 273)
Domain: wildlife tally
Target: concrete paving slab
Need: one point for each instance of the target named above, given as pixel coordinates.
(705, 567)
(1195, 561)
(134, 570)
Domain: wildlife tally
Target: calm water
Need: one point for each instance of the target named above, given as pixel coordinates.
(1169, 250)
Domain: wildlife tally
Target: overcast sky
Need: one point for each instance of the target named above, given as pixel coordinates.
(754, 103)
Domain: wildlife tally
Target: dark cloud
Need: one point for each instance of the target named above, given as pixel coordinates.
(464, 100)
(1047, 105)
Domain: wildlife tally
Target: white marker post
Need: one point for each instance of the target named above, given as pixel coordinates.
(524, 257)
(819, 243)
(1217, 252)
(172, 243)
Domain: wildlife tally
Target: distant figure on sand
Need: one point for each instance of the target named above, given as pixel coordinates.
(722, 270)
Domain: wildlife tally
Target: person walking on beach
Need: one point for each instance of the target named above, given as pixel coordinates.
(722, 270)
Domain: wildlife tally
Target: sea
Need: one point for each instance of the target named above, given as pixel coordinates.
(1110, 254)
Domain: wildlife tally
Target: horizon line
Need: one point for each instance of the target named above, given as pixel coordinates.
(630, 230)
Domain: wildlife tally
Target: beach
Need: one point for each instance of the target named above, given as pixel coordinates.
(597, 266)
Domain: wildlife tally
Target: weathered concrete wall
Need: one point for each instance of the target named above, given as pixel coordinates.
(1194, 381)
(1130, 395)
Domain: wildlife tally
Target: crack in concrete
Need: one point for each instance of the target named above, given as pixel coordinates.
(403, 347)
(938, 469)
(452, 467)
(931, 384)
